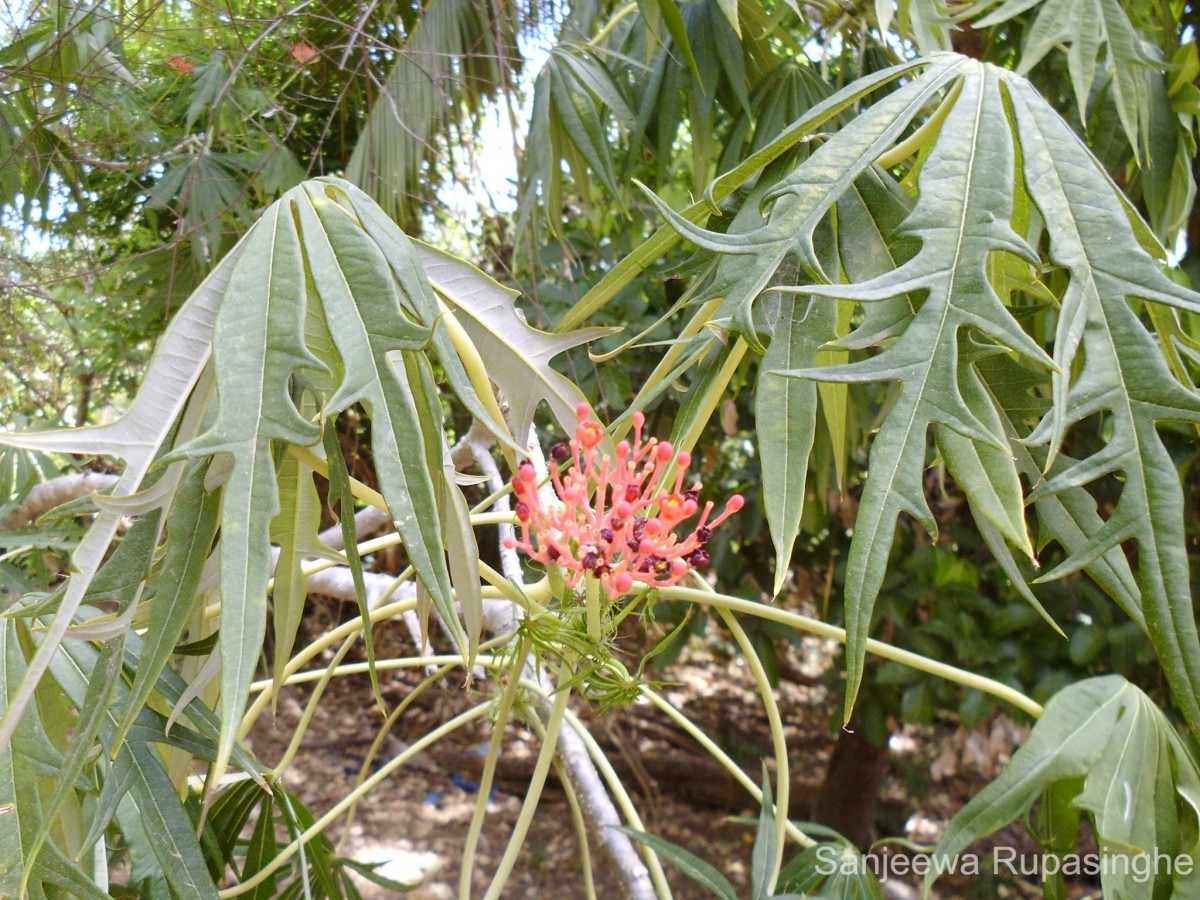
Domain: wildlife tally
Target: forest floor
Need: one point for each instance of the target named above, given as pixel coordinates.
(415, 823)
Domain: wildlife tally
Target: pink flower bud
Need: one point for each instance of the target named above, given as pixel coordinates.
(678, 568)
(685, 459)
(664, 451)
(623, 583)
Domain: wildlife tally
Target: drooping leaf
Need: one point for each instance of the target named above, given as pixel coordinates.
(258, 344)
(418, 298)
(701, 872)
(668, 235)
(762, 859)
(1140, 785)
(458, 53)
(785, 414)
(140, 767)
(137, 437)
(1086, 26)
(361, 302)
(961, 218)
(295, 531)
(1124, 375)
(341, 498)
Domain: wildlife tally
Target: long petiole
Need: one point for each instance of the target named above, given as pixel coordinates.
(878, 648)
(502, 715)
(782, 775)
(534, 795)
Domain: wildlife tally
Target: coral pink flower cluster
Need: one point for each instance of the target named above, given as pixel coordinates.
(610, 520)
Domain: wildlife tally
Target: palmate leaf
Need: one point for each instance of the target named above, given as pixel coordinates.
(1139, 783)
(961, 218)
(1124, 377)
(649, 251)
(804, 197)
(313, 308)
(970, 227)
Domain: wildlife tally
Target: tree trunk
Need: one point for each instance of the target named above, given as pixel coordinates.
(850, 793)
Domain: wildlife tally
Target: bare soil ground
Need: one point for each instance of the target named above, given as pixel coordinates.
(415, 822)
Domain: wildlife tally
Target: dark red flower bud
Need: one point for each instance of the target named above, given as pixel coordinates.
(632, 492)
(704, 534)
(693, 495)
(590, 560)
(699, 559)
(559, 452)
(522, 511)
(606, 535)
(552, 553)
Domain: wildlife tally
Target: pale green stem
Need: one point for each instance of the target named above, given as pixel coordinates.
(620, 795)
(712, 397)
(782, 775)
(477, 373)
(591, 593)
(534, 794)
(374, 545)
(382, 733)
(529, 597)
(310, 710)
(585, 853)
(878, 648)
(720, 756)
(318, 827)
(383, 665)
(357, 489)
(503, 711)
(667, 363)
(922, 135)
(620, 14)
(349, 631)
